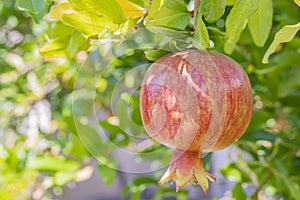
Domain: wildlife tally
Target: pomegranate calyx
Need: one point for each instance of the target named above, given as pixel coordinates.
(187, 167)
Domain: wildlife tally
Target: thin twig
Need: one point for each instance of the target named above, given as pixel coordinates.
(262, 183)
(270, 173)
(196, 8)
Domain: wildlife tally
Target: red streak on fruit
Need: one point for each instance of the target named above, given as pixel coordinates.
(195, 102)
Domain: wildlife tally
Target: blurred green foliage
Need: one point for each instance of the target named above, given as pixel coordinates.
(46, 106)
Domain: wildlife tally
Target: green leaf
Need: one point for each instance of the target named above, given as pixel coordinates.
(213, 9)
(144, 180)
(161, 39)
(176, 46)
(286, 34)
(292, 186)
(89, 23)
(137, 186)
(237, 21)
(238, 192)
(111, 9)
(169, 13)
(92, 141)
(108, 174)
(281, 172)
(115, 131)
(260, 23)
(291, 100)
(231, 173)
(125, 118)
(136, 195)
(201, 37)
(164, 193)
(154, 54)
(111, 128)
(77, 149)
(36, 8)
(218, 37)
(167, 31)
(52, 164)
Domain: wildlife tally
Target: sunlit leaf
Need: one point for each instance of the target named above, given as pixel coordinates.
(54, 49)
(260, 22)
(36, 8)
(286, 34)
(213, 9)
(67, 42)
(76, 43)
(89, 23)
(131, 9)
(230, 2)
(60, 9)
(111, 9)
(60, 31)
(61, 35)
(169, 13)
(237, 20)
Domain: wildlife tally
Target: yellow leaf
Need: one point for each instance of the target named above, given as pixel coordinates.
(89, 23)
(297, 2)
(60, 9)
(131, 9)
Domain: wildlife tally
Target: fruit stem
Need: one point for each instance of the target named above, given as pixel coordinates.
(196, 8)
(187, 167)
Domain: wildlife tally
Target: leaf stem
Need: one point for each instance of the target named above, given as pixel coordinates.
(196, 8)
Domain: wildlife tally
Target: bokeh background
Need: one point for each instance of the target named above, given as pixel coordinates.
(70, 126)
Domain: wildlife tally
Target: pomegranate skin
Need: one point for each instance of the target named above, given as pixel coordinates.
(195, 102)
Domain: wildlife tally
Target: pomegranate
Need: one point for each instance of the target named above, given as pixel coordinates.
(195, 102)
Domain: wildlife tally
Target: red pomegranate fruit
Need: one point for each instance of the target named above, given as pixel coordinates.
(195, 102)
